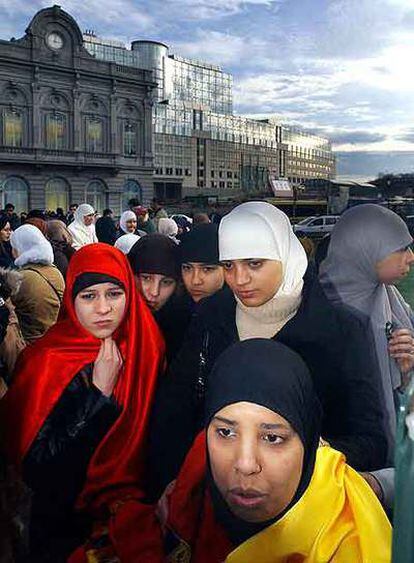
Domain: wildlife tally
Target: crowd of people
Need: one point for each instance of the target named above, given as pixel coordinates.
(200, 391)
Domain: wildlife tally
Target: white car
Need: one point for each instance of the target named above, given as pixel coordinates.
(316, 225)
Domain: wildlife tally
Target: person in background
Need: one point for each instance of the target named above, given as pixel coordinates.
(82, 228)
(11, 215)
(257, 486)
(272, 294)
(60, 214)
(71, 213)
(144, 223)
(369, 252)
(127, 223)
(201, 270)
(23, 217)
(154, 260)
(77, 413)
(61, 240)
(184, 225)
(40, 294)
(11, 341)
(125, 242)
(105, 228)
(6, 258)
(200, 218)
(169, 228)
(202, 276)
(215, 216)
(39, 223)
(157, 211)
(37, 214)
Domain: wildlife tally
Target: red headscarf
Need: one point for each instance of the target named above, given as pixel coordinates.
(47, 367)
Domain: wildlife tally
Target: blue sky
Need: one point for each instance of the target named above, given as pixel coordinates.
(337, 67)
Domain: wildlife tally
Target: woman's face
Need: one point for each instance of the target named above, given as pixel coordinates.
(256, 460)
(5, 233)
(100, 308)
(202, 280)
(89, 219)
(254, 281)
(156, 289)
(395, 266)
(131, 225)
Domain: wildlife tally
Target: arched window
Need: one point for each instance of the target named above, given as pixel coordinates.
(56, 131)
(94, 135)
(95, 195)
(13, 116)
(16, 191)
(13, 128)
(57, 194)
(130, 138)
(131, 189)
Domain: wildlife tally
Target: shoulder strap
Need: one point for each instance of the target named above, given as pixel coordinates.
(48, 282)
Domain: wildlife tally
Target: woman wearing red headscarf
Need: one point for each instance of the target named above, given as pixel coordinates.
(76, 415)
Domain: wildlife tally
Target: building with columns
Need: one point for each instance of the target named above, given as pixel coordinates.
(72, 128)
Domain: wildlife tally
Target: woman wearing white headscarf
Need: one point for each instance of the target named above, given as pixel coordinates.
(273, 294)
(368, 252)
(169, 228)
(82, 228)
(40, 294)
(126, 242)
(128, 222)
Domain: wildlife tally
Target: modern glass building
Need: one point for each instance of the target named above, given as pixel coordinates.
(200, 146)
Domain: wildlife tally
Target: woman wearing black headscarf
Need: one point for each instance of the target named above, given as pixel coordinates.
(155, 262)
(256, 486)
(6, 258)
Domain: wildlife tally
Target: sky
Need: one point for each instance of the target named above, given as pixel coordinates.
(341, 68)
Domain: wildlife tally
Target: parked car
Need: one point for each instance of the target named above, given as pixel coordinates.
(316, 226)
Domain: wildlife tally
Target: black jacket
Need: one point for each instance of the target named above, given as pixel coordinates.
(56, 464)
(331, 341)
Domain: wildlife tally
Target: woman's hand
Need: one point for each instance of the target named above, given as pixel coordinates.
(401, 348)
(107, 366)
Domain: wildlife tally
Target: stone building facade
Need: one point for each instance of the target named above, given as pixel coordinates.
(72, 128)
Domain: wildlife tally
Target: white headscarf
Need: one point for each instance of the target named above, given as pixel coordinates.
(257, 229)
(167, 227)
(126, 242)
(126, 216)
(81, 233)
(31, 246)
(81, 212)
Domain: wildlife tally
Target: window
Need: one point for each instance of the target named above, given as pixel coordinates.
(130, 139)
(57, 194)
(169, 171)
(13, 128)
(316, 223)
(94, 135)
(229, 174)
(178, 171)
(330, 220)
(16, 191)
(131, 189)
(95, 195)
(55, 131)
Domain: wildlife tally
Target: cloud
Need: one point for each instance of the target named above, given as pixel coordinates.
(356, 137)
(407, 136)
(214, 9)
(374, 163)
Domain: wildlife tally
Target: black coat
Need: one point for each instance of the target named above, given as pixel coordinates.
(330, 340)
(174, 320)
(56, 464)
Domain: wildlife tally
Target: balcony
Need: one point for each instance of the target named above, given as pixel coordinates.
(42, 156)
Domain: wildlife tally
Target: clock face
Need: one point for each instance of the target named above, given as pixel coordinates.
(54, 40)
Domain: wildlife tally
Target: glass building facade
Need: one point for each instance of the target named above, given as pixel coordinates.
(200, 145)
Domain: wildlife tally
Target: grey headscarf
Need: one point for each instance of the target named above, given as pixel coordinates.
(363, 236)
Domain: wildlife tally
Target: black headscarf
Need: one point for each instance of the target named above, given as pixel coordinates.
(106, 230)
(266, 373)
(155, 254)
(92, 278)
(200, 245)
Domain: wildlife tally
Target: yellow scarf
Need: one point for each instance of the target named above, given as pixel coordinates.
(338, 519)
